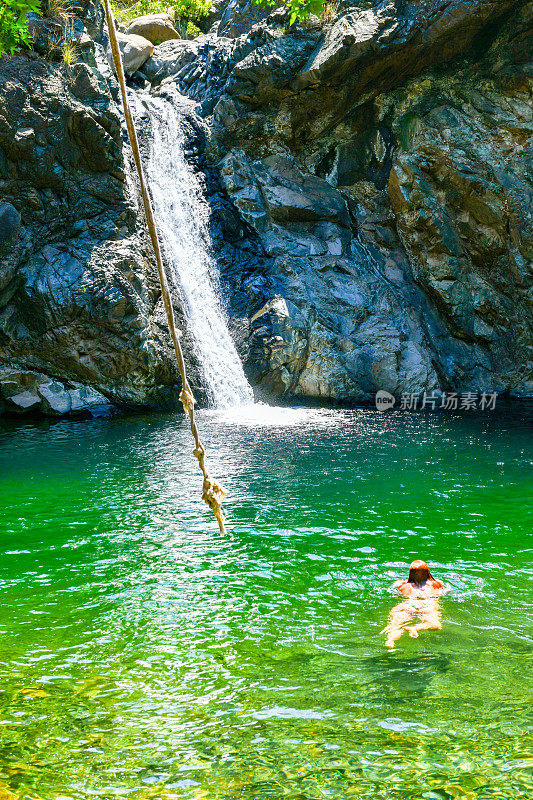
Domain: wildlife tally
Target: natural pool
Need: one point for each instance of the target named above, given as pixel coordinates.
(143, 655)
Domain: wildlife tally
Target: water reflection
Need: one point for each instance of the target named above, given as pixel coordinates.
(142, 654)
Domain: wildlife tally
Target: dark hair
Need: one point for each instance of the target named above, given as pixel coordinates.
(419, 572)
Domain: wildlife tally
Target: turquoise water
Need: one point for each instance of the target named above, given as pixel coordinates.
(144, 655)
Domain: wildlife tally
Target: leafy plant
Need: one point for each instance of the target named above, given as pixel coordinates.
(181, 10)
(300, 9)
(14, 32)
(192, 30)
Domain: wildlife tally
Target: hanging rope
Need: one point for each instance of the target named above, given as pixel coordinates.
(212, 492)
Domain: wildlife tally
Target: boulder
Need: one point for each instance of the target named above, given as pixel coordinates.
(135, 50)
(25, 391)
(48, 35)
(55, 399)
(156, 28)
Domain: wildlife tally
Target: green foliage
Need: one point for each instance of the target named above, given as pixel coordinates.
(14, 31)
(300, 9)
(185, 10)
(192, 30)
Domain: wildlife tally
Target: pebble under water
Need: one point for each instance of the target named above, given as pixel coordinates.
(144, 655)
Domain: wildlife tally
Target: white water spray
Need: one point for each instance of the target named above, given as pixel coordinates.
(182, 216)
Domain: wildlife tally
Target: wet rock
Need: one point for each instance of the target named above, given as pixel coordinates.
(275, 192)
(278, 347)
(55, 399)
(85, 398)
(156, 28)
(170, 57)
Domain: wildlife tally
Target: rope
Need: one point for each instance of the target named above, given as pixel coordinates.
(212, 492)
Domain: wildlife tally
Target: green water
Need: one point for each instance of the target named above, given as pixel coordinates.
(143, 655)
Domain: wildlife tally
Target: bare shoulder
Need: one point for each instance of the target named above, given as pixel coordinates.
(404, 587)
(439, 587)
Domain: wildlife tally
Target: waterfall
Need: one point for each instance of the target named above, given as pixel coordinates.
(182, 216)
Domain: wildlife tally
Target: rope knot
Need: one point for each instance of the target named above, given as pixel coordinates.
(187, 400)
(213, 494)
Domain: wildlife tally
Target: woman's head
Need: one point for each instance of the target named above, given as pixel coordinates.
(419, 572)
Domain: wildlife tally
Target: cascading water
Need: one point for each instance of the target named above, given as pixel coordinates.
(182, 216)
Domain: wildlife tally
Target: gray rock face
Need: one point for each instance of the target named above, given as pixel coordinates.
(379, 161)
(238, 16)
(50, 35)
(78, 300)
(170, 57)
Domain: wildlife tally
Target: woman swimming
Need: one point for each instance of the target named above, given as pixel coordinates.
(422, 591)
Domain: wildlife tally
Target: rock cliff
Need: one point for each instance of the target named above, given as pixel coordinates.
(381, 159)
(369, 177)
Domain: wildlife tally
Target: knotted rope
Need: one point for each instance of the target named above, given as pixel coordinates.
(212, 492)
